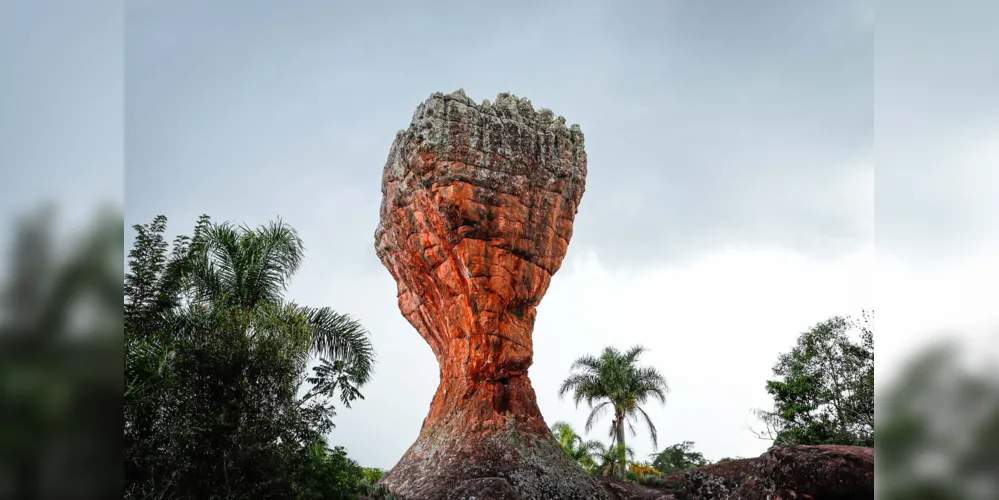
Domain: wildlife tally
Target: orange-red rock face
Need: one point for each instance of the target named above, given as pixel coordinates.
(477, 213)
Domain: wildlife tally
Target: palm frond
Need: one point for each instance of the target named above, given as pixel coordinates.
(632, 355)
(585, 386)
(255, 264)
(273, 254)
(652, 427)
(221, 247)
(565, 435)
(648, 382)
(289, 246)
(587, 362)
(340, 337)
(560, 426)
(595, 414)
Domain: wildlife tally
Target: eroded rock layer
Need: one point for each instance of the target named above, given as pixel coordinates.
(477, 212)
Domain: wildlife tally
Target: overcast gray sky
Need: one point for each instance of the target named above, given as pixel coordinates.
(730, 202)
(61, 107)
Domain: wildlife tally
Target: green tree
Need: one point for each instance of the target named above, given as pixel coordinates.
(245, 269)
(372, 474)
(575, 446)
(155, 279)
(678, 457)
(214, 358)
(824, 387)
(614, 381)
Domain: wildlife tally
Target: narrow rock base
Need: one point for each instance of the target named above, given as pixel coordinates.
(478, 445)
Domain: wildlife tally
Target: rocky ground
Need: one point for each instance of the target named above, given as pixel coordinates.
(782, 473)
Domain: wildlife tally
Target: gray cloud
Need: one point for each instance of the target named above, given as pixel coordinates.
(705, 127)
(938, 132)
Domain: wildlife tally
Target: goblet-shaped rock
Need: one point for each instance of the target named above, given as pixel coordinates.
(477, 211)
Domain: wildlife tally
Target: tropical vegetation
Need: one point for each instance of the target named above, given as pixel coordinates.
(823, 394)
(614, 381)
(215, 360)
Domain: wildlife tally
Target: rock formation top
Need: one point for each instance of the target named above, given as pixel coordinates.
(507, 140)
(510, 119)
(477, 213)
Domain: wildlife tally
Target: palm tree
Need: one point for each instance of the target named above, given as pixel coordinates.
(575, 446)
(614, 381)
(245, 271)
(610, 459)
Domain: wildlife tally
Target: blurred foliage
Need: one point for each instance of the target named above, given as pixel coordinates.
(938, 430)
(678, 457)
(214, 360)
(60, 361)
(824, 390)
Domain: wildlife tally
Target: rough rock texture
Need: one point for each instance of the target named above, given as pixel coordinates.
(620, 490)
(825, 472)
(477, 212)
(818, 472)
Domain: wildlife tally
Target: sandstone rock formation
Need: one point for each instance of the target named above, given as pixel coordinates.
(477, 212)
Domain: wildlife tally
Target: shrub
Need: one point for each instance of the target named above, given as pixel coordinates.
(372, 475)
(653, 481)
(644, 470)
(329, 474)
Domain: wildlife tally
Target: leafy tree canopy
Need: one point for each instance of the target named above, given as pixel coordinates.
(214, 360)
(678, 457)
(823, 389)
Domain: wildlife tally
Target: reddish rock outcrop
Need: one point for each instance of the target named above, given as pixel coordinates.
(477, 212)
(826, 472)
